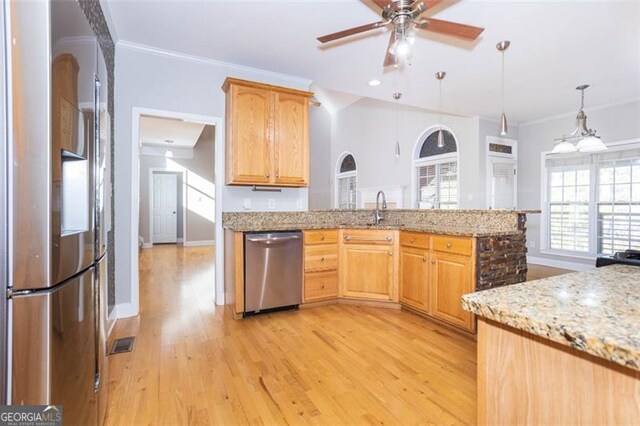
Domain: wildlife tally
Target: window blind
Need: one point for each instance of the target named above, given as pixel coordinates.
(347, 192)
(502, 181)
(438, 186)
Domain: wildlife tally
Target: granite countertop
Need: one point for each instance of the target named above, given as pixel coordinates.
(431, 229)
(597, 311)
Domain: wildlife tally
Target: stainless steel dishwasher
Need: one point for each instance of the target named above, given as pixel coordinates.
(273, 270)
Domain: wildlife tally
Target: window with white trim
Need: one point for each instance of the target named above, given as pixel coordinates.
(346, 183)
(436, 170)
(593, 201)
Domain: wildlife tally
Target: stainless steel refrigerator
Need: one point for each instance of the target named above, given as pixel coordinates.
(55, 191)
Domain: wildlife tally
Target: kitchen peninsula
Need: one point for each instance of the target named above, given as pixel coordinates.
(421, 260)
(561, 350)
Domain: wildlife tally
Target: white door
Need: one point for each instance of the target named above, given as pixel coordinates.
(503, 185)
(165, 202)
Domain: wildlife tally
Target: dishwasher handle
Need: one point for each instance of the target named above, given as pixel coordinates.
(269, 239)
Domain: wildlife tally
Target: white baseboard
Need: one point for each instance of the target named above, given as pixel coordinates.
(147, 245)
(563, 264)
(125, 310)
(199, 243)
(180, 240)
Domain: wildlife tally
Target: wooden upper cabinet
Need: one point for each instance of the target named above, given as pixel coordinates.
(291, 141)
(249, 131)
(267, 134)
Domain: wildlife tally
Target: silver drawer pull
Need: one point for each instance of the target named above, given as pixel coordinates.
(449, 245)
(322, 259)
(321, 237)
(412, 240)
(322, 286)
(368, 239)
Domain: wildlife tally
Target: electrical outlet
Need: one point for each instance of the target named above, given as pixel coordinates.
(246, 203)
(272, 203)
(300, 204)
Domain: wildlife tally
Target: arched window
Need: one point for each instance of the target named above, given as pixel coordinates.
(436, 171)
(346, 182)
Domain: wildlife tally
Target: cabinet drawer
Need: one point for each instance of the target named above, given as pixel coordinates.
(455, 245)
(415, 239)
(320, 285)
(321, 257)
(325, 236)
(365, 236)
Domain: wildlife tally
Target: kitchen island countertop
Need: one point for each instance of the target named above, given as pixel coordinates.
(596, 311)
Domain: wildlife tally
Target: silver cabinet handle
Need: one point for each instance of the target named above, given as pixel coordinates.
(321, 285)
(268, 175)
(433, 262)
(273, 239)
(412, 240)
(449, 245)
(424, 259)
(321, 237)
(390, 253)
(277, 175)
(368, 239)
(322, 259)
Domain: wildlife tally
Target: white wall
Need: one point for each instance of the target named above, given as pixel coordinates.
(367, 128)
(320, 168)
(151, 79)
(613, 124)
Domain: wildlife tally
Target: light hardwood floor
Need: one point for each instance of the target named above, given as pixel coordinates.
(330, 365)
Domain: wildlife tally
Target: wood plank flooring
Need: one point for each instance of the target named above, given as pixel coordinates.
(330, 365)
(536, 272)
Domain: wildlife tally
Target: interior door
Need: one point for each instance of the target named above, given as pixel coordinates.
(165, 205)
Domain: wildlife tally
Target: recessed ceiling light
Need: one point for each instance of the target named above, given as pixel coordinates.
(375, 83)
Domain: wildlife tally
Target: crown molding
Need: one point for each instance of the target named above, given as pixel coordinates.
(587, 110)
(299, 81)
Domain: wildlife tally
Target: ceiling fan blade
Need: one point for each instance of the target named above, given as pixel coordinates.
(467, 32)
(390, 58)
(351, 31)
(383, 4)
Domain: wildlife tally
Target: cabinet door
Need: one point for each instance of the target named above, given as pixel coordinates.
(414, 278)
(291, 139)
(249, 147)
(366, 271)
(451, 278)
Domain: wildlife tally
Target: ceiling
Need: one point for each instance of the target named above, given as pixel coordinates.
(555, 46)
(155, 131)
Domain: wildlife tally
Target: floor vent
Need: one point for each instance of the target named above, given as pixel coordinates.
(124, 344)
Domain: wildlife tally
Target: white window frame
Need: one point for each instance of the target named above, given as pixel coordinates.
(432, 161)
(593, 223)
(499, 157)
(344, 175)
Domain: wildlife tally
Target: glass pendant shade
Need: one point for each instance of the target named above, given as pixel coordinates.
(504, 127)
(591, 144)
(168, 153)
(564, 148)
(397, 149)
(440, 139)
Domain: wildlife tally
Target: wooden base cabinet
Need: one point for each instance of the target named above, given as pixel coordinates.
(414, 278)
(451, 277)
(368, 265)
(320, 265)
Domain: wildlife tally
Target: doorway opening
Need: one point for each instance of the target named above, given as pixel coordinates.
(174, 185)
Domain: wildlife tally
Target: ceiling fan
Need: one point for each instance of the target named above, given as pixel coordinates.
(404, 16)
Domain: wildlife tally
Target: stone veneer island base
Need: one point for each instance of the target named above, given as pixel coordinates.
(423, 260)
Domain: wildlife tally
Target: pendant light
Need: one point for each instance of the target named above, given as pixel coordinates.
(397, 97)
(504, 127)
(586, 138)
(168, 153)
(440, 75)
